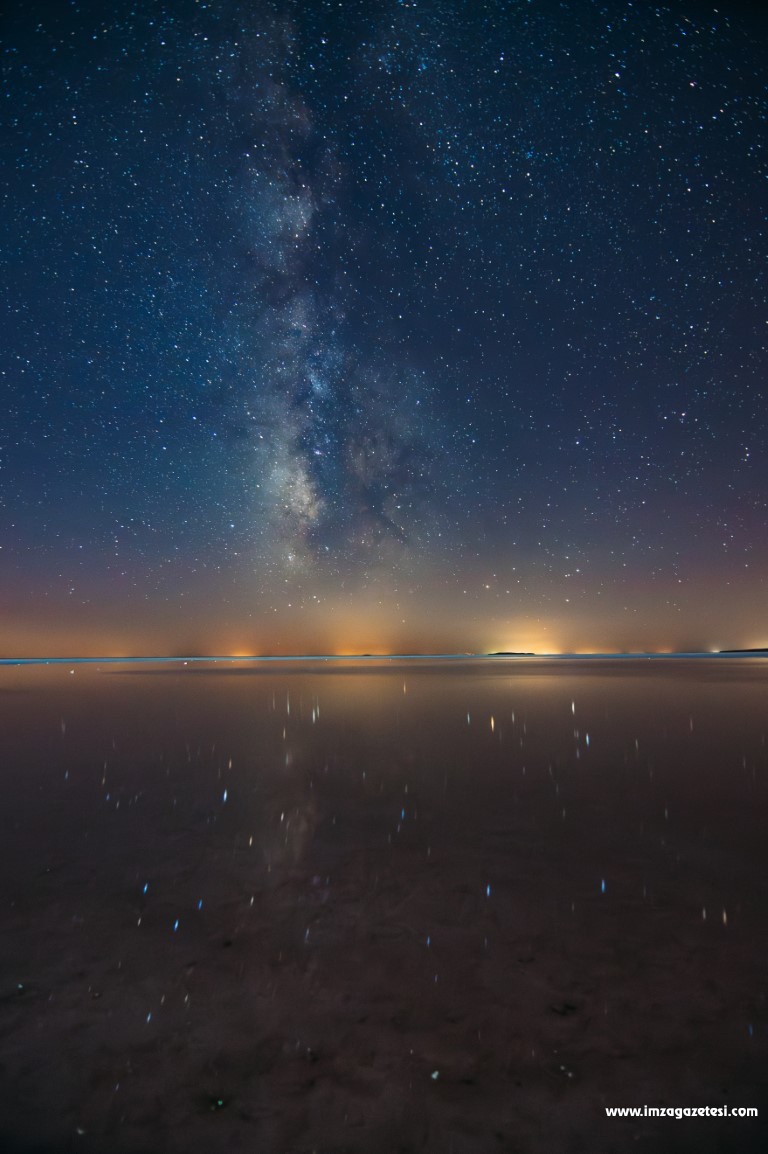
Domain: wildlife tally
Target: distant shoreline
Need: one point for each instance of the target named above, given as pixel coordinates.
(726, 652)
(371, 657)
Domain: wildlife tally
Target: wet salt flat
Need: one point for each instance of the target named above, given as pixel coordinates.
(385, 906)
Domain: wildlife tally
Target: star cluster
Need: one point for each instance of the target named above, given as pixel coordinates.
(397, 325)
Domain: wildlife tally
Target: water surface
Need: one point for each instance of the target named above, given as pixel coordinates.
(382, 906)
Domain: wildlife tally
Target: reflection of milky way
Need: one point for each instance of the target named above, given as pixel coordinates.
(342, 449)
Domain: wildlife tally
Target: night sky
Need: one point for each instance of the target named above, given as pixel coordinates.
(346, 327)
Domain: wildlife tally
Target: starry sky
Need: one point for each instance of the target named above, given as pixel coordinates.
(383, 326)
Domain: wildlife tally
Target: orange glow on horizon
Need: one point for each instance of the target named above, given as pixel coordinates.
(363, 626)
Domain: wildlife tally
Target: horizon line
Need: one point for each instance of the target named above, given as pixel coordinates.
(500, 654)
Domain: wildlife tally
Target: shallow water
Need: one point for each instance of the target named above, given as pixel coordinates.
(384, 906)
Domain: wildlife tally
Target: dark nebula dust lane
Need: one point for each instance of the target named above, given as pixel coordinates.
(396, 326)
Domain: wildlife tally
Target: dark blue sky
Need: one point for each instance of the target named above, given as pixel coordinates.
(383, 325)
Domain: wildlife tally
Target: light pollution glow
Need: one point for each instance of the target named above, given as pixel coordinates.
(421, 622)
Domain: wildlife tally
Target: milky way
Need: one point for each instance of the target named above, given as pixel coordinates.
(448, 320)
(342, 445)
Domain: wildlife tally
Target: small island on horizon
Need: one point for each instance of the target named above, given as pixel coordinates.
(510, 653)
(758, 649)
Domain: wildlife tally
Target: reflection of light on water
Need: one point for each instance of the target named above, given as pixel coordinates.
(373, 759)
